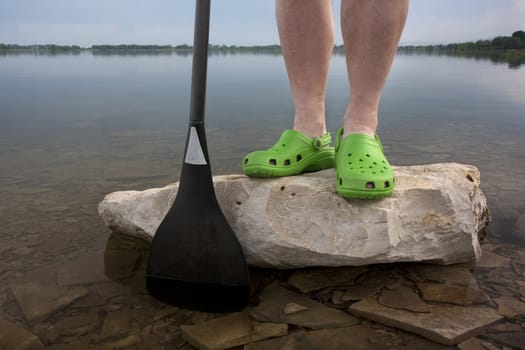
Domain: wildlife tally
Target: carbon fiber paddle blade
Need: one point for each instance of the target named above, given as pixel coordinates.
(196, 261)
(199, 296)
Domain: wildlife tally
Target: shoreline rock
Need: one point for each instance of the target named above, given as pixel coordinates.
(434, 215)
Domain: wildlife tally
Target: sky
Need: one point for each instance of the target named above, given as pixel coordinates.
(233, 22)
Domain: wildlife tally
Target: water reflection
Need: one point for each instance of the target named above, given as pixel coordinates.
(513, 58)
(74, 128)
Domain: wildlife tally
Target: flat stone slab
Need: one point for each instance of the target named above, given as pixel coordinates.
(510, 307)
(14, 336)
(358, 337)
(315, 279)
(434, 215)
(276, 301)
(452, 294)
(39, 301)
(230, 331)
(447, 325)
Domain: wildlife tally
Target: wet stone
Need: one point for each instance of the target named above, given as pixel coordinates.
(118, 323)
(126, 342)
(165, 330)
(512, 339)
(292, 308)
(232, 330)
(361, 291)
(165, 312)
(315, 279)
(337, 297)
(48, 334)
(505, 327)
(4, 267)
(510, 307)
(77, 325)
(358, 337)
(274, 299)
(85, 270)
(14, 336)
(39, 301)
(444, 274)
(520, 283)
(120, 264)
(518, 268)
(458, 295)
(499, 276)
(149, 340)
(111, 290)
(519, 228)
(24, 251)
(443, 324)
(476, 344)
(491, 260)
(403, 298)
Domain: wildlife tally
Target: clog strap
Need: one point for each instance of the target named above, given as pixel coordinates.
(322, 141)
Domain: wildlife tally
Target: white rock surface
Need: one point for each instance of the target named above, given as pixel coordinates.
(434, 215)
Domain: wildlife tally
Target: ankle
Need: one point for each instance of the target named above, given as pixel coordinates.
(362, 122)
(356, 128)
(310, 129)
(361, 116)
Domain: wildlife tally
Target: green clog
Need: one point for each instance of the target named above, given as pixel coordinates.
(362, 169)
(293, 154)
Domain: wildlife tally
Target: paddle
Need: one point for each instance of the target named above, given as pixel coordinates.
(196, 261)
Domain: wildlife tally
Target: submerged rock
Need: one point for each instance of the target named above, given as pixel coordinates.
(457, 295)
(14, 336)
(315, 279)
(403, 298)
(447, 325)
(38, 301)
(229, 331)
(434, 215)
(275, 300)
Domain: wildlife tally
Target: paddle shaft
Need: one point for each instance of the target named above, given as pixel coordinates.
(195, 259)
(200, 61)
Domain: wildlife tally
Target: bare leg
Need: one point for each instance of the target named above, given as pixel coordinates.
(307, 39)
(371, 32)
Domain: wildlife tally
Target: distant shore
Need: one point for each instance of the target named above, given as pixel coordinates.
(509, 49)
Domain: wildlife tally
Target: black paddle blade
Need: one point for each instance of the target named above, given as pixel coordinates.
(196, 261)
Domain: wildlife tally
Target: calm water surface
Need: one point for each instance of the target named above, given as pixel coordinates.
(74, 128)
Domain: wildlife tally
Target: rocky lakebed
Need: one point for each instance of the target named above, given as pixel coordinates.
(422, 274)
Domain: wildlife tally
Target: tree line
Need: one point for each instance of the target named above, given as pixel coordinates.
(509, 49)
(501, 43)
(514, 42)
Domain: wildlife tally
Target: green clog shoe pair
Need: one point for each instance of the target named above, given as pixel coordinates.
(362, 169)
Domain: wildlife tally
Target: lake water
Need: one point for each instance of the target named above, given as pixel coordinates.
(76, 127)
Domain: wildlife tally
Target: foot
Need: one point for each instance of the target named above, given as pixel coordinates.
(362, 169)
(293, 154)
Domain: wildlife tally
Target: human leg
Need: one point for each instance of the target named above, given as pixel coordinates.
(307, 38)
(371, 32)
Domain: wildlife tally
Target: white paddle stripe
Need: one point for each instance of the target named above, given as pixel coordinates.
(194, 154)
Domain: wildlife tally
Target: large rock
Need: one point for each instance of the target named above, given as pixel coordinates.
(434, 215)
